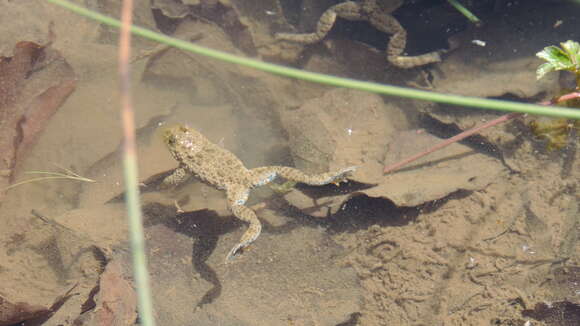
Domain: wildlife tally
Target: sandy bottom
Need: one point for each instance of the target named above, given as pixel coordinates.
(479, 255)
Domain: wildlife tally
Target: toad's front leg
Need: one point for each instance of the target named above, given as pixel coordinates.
(175, 178)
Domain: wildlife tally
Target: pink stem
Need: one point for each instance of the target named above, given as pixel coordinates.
(449, 141)
(566, 97)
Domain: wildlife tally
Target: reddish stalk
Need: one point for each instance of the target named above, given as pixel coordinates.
(467, 133)
(449, 141)
(566, 97)
(136, 234)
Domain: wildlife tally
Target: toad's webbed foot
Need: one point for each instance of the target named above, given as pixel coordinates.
(254, 229)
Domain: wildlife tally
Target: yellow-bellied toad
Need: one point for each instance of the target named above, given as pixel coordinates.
(221, 169)
(378, 15)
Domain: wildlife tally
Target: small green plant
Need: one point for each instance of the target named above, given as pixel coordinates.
(565, 58)
(557, 132)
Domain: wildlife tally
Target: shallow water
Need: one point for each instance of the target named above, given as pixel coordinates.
(477, 234)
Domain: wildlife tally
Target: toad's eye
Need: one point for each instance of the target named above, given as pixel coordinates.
(169, 138)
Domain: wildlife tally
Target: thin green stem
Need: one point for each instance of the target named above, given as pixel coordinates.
(497, 105)
(464, 11)
(132, 196)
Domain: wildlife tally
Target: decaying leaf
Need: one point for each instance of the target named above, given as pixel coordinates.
(13, 313)
(34, 82)
(29, 315)
(116, 301)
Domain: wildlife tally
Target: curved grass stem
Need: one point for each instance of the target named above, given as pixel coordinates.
(68, 175)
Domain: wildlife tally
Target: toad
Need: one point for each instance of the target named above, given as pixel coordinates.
(221, 169)
(379, 16)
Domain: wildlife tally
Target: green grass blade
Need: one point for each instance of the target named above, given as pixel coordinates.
(464, 11)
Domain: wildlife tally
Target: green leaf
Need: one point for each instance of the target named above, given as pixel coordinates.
(544, 69)
(571, 47)
(573, 50)
(556, 57)
(576, 59)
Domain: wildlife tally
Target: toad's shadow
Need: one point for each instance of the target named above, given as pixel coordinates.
(204, 227)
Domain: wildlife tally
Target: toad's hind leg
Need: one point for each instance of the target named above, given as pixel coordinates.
(293, 174)
(324, 25)
(237, 197)
(349, 10)
(396, 46)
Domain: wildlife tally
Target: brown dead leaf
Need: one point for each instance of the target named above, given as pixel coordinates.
(40, 111)
(13, 313)
(30, 315)
(34, 82)
(117, 301)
